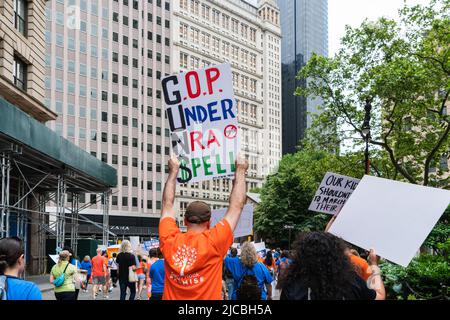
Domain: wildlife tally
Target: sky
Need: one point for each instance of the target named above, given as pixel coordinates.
(353, 13)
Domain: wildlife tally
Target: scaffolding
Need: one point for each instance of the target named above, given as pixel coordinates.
(38, 167)
(34, 184)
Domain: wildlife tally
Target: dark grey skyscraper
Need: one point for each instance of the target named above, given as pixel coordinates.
(304, 27)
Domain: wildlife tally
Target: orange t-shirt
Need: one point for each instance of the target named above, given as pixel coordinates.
(272, 266)
(193, 261)
(97, 266)
(362, 267)
(140, 269)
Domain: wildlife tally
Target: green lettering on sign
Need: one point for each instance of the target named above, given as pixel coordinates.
(219, 168)
(195, 165)
(206, 166)
(232, 161)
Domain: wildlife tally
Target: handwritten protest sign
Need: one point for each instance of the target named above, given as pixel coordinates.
(245, 224)
(202, 115)
(392, 217)
(333, 192)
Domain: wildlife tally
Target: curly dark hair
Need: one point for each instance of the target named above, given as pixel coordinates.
(321, 264)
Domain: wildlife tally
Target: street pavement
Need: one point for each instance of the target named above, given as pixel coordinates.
(115, 295)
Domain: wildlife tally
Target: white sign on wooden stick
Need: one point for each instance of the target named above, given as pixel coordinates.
(392, 217)
(334, 190)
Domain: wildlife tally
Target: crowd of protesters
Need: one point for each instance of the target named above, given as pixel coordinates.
(200, 264)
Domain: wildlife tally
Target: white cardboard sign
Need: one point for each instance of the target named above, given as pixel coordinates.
(202, 117)
(392, 217)
(245, 224)
(334, 190)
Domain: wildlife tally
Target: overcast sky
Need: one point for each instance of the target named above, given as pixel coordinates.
(353, 13)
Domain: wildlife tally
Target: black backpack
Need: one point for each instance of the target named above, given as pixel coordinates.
(248, 288)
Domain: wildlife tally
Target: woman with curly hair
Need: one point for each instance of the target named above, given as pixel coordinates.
(321, 270)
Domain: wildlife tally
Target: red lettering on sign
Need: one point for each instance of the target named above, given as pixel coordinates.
(212, 138)
(212, 75)
(196, 136)
(188, 77)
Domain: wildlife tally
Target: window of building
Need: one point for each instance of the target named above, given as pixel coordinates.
(20, 73)
(20, 16)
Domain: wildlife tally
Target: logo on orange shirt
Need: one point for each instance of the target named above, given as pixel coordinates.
(184, 258)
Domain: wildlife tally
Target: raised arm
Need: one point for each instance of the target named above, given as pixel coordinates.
(168, 198)
(238, 193)
(375, 281)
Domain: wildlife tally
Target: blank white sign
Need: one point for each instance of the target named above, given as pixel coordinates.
(392, 217)
(245, 224)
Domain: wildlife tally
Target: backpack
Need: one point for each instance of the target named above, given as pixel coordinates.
(247, 288)
(3, 288)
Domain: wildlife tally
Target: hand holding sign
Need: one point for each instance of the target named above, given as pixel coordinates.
(241, 163)
(174, 164)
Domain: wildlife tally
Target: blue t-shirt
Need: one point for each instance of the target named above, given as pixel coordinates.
(284, 259)
(86, 266)
(238, 270)
(157, 276)
(18, 289)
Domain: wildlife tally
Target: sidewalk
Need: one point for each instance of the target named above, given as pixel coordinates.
(42, 282)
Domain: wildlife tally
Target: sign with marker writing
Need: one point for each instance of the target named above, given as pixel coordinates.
(202, 115)
(333, 192)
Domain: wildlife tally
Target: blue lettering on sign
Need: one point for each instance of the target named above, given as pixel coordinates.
(212, 112)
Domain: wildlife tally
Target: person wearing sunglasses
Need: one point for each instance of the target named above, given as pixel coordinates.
(12, 266)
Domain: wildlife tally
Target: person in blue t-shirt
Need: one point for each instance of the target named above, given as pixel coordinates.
(157, 273)
(86, 265)
(248, 265)
(227, 275)
(12, 264)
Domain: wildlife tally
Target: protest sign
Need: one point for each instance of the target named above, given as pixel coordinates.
(134, 242)
(260, 248)
(245, 224)
(333, 192)
(392, 217)
(54, 257)
(151, 244)
(202, 115)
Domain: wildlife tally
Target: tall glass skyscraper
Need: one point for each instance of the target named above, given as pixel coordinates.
(304, 27)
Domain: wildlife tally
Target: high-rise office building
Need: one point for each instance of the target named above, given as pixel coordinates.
(304, 25)
(104, 62)
(248, 36)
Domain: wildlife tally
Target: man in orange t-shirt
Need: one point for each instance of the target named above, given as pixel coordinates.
(99, 267)
(193, 260)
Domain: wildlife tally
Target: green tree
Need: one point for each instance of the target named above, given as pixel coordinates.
(287, 194)
(403, 68)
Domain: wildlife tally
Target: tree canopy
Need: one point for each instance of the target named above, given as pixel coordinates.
(403, 69)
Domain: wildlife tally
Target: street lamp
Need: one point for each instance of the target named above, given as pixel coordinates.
(289, 227)
(365, 130)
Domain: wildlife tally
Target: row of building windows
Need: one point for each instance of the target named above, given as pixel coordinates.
(217, 45)
(219, 19)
